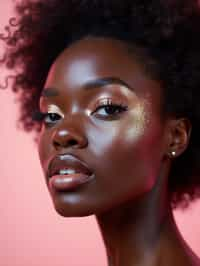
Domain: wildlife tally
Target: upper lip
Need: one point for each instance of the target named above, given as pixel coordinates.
(65, 161)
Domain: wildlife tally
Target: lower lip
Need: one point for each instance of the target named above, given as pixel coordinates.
(70, 181)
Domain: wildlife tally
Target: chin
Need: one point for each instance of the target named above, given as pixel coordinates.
(72, 212)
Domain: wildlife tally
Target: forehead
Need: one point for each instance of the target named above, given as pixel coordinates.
(93, 58)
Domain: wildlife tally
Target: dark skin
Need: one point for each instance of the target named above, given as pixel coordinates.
(128, 150)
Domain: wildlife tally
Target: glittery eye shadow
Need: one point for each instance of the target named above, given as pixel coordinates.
(54, 109)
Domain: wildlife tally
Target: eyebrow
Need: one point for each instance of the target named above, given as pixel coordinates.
(97, 83)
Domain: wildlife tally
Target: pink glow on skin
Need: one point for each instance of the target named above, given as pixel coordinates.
(31, 232)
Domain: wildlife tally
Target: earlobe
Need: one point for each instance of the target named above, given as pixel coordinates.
(180, 132)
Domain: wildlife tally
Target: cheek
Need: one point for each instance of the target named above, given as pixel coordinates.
(44, 149)
(130, 163)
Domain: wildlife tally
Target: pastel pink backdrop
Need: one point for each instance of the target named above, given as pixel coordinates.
(31, 232)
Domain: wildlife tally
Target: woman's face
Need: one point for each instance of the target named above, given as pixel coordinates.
(123, 146)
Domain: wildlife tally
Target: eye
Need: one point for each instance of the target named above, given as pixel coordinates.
(110, 109)
(51, 117)
(48, 118)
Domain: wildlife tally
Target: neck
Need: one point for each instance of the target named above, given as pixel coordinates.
(141, 232)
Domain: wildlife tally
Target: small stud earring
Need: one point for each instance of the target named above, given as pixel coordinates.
(173, 153)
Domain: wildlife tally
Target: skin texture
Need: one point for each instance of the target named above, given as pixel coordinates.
(128, 152)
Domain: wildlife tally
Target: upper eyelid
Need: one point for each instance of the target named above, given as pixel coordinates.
(52, 108)
(100, 105)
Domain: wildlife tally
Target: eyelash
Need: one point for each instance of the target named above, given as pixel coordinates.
(40, 116)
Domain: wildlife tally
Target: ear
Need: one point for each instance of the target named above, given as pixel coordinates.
(179, 132)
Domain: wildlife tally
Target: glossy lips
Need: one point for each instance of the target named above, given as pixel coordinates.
(63, 182)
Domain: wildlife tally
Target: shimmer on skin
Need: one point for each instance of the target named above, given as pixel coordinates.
(128, 153)
(144, 57)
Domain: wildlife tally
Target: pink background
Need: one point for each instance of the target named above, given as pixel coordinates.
(31, 232)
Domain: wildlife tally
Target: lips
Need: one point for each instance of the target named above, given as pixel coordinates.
(67, 161)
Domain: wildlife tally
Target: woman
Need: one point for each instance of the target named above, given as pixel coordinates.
(112, 90)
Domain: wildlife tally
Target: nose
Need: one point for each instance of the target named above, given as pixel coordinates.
(67, 136)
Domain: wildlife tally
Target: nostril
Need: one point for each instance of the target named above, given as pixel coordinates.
(72, 142)
(68, 143)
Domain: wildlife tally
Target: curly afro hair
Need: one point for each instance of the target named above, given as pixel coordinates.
(169, 30)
